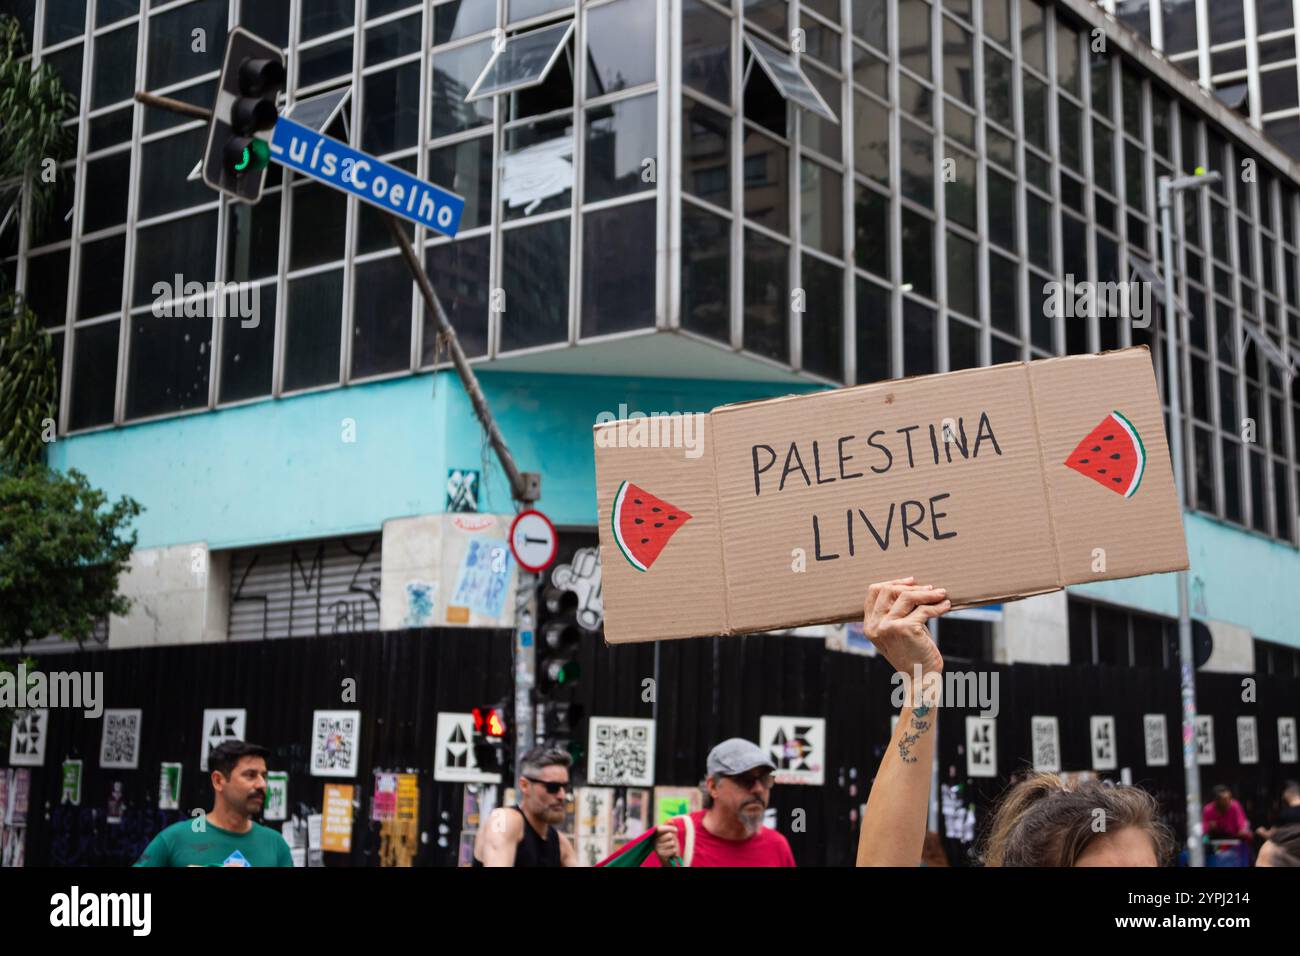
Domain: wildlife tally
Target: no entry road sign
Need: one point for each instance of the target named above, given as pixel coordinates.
(359, 174)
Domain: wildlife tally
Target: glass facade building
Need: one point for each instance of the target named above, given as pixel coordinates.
(675, 171)
(1245, 50)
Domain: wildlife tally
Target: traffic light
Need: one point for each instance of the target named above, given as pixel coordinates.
(557, 648)
(236, 157)
(490, 738)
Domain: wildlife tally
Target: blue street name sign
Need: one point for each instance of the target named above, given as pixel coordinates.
(359, 174)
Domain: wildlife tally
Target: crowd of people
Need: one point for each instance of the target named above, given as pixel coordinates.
(1041, 819)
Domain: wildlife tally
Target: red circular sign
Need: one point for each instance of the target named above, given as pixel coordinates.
(533, 540)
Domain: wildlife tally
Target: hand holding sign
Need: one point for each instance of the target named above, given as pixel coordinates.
(894, 619)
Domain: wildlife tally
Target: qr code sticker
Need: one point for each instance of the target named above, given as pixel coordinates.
(120, 746)
(622, 752)
(1156, 737)
(1047, 752)
(334, 743)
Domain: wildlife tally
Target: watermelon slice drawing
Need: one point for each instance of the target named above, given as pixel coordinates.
(1112, 454)
(643, 524)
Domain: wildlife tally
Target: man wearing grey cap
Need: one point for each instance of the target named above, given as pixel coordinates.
(730, 831)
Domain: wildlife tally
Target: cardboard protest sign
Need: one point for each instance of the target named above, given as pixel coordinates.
(996, 483)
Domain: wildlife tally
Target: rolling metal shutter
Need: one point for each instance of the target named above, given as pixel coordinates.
(305, 588)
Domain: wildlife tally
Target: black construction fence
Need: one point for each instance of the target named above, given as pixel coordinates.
(705, 691)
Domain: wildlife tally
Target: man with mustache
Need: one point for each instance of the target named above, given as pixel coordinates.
(525, 835)
(227, 836)
(730, 831)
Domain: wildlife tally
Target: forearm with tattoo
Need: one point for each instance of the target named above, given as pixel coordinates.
(920, 726)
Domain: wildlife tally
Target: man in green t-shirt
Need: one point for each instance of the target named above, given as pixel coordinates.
(227, 836)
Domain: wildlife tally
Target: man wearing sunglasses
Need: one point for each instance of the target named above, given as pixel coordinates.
(525, 835)
(730, 831)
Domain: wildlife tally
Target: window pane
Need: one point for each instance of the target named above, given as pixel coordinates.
(187, 247)
(618, 269)
(823, 319)
(706, 51)
(94, 375)
(914, 36)
(459, 272)
(918, 253)
(537, 168)
(1003, 295)
(268, 19)
(917, 162)
(1067, 58)
(820, 133)
(963, 345)
(253, 239)
(114, 127)
(390, 118)
(705, 151)
(958, 62)
(873, 348)
(767, 181)
(248, 347)
(325, 62)
(466, 169)
(918, 339)
(997, 87)
(822, 216)
(325, 16)
(959, 191)
(1033, 35)
(46, 287)
(67, 63)
(963, 276)
(871, 22)
(763, 104)
(163, 165)
(620, 137)
(171, 52)
(319, 225)
(620, 46)
(102, 265)
(1035, 94)
(155, 121)
(64, 19)
(392, 39)
(767, 307)
(114, 77)
(170, 364)
(381, 317)
(535, 275)
(57, 225)
(871, 231)
(769, 14)
(1270, 15)
(706, 273)
(1228, 23)
(454, 72)
(1233, 506)
(1002, 210)
(313, 333)
(997, 20)
(1038, 214)
(871, 138)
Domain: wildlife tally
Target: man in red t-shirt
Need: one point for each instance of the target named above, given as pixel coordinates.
(730, 832)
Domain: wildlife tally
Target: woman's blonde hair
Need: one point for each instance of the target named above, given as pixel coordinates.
(1045, 821)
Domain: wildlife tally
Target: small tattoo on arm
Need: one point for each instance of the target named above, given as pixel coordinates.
(909, 740)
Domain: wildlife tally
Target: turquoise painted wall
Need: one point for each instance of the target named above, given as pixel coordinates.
(280, 471)
(1235, 576)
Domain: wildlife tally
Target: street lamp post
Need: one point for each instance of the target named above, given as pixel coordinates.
(1169, 187)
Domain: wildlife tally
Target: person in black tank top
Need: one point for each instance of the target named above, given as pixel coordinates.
(526, 835)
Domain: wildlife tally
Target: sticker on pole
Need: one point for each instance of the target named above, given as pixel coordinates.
(533, 540)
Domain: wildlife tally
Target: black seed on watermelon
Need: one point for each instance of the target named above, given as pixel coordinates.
(1110, 438)
(1101, 471)
(1083, 461)
(1096, 448)
(1117, 480)
(1115, 456)
(659, 524)
(645, 540)
(656, 509)
(672, 517)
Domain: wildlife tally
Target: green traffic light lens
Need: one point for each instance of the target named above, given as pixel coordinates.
(259, 153)
(243, 163)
